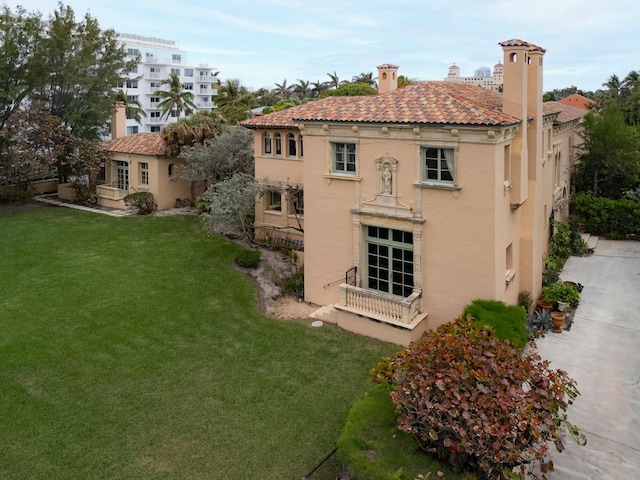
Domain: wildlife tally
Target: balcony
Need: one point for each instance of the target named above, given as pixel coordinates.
(384, 307)
(110, 192)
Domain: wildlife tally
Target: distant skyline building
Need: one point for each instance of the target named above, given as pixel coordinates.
(482, 76)
(482, 72)
(158, 59)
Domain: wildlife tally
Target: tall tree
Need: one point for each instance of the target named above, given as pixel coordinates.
(365, 77)
(335, 80)
(318, 87)
(83, 65)
(610, 157)
(195, 129)
(613, 86)
(22, 53)
(233, 101)
(302, 89)
(282, 90)
(133, 107)
(175, 98)
(218, 158)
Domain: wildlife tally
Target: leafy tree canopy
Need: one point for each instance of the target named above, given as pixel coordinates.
(610, 155)
(219, 158)
(350, 89)
(192, 130)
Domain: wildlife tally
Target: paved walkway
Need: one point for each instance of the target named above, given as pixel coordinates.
(602, 353)
(52, 199)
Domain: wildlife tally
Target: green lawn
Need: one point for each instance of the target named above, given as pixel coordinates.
(130, 348)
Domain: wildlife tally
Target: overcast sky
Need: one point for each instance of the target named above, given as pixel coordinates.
(262, 42)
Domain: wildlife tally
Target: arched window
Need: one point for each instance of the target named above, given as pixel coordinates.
(384, 75)
(291, 140)
(278, 141)
(170, 170)
(513, 58)
(267, 144)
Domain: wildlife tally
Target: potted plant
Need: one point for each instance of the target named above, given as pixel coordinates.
(561, 293)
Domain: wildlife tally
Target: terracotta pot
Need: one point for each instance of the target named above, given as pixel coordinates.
(544, 305)
(557, 318)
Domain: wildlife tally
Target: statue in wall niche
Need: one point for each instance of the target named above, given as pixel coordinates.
(386, 178)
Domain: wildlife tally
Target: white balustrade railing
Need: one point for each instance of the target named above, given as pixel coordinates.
(381, 305)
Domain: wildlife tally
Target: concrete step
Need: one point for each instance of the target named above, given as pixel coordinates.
(591, 240)
(323, 313)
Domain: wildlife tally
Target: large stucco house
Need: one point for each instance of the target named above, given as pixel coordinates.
(413, 202)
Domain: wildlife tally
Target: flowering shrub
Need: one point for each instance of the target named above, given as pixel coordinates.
(475, 403)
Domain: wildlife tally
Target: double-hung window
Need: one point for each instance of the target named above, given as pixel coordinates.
(344, 158)
(389, 260)
(438, 165)
(144, 173)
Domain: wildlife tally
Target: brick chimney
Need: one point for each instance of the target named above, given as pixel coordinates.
(118, 120)
(387, 78)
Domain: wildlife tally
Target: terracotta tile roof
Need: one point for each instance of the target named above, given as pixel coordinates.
(284, 118)
(139, 144)
(566, 113)
(424, 103)
(516, 42)
(577, 100)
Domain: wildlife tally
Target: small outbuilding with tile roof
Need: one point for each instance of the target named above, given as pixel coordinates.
(139, 164)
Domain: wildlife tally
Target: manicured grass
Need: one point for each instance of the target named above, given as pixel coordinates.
(372, 446)
(130, 348)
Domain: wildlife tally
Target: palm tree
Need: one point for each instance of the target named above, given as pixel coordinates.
(302, 89)
(613, 87)
(191, 130)
(365, 78)
(335, 81)
(233, 101)
(232, 94)
(282, 90)
(133, 107)
(318, 87)
(176, 97)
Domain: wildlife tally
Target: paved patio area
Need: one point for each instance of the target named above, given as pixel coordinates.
(602, 353)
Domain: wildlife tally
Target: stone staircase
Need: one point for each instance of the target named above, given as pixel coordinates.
(591, 240)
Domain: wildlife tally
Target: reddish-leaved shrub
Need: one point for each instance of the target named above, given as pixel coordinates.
(475, 402)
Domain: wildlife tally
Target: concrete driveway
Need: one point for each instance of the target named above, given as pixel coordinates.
(602, 353)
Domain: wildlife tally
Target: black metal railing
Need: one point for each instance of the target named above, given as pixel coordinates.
(329, 468)
(350, 276)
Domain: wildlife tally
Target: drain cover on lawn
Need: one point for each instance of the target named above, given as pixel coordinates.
(317, 323)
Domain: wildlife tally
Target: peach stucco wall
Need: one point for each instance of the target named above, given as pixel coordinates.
(464, 231)
(165, 189)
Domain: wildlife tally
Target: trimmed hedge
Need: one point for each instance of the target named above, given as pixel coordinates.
(248, 258)
(143, 201)
(507, 321)
(605, 216)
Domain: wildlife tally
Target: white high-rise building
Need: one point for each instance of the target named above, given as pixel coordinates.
(158, 59)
